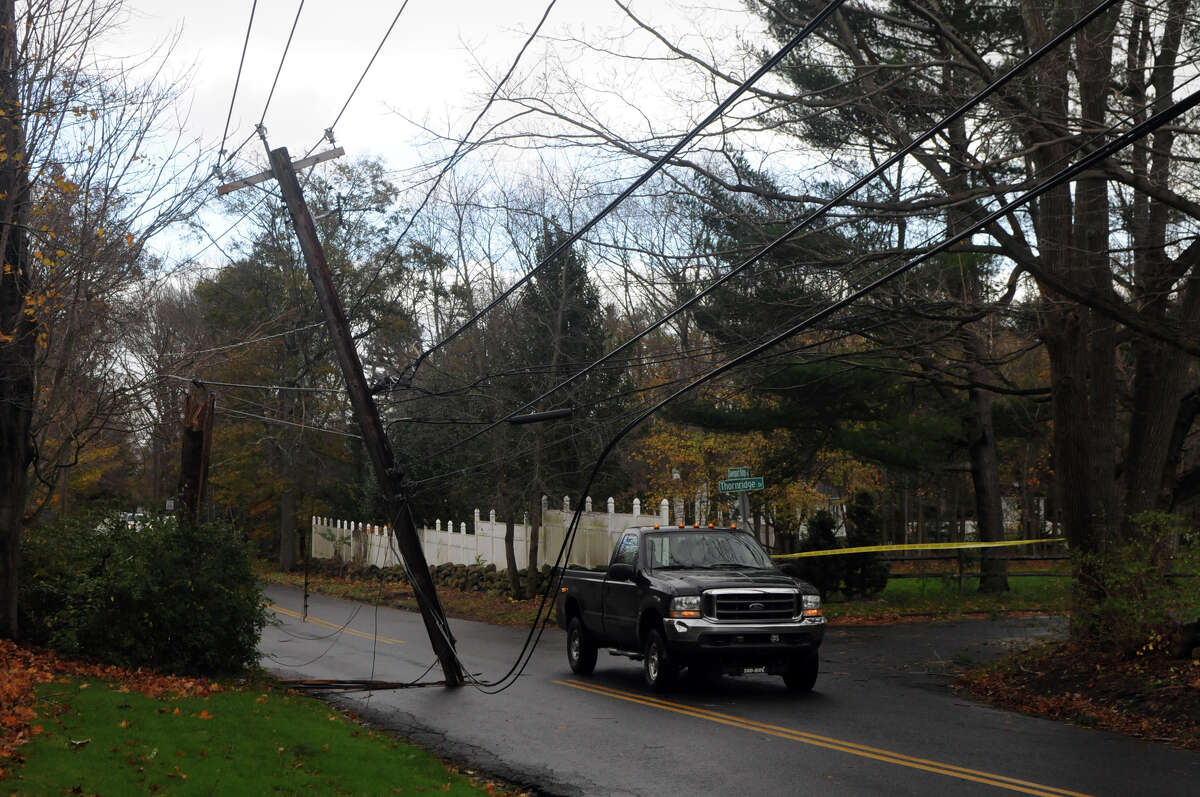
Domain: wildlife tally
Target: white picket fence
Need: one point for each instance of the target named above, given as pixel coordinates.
(482, 541)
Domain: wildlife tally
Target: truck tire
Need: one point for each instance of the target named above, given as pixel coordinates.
(658, 667)
(801, 674)
(581, 650)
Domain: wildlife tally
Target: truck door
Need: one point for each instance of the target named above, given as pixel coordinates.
(620, 598)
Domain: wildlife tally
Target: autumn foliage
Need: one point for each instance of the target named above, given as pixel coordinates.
(22, 669)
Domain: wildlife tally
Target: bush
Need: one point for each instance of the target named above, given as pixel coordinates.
(823, 572)
(1124, 600)
(155, 593)
(856, 575)
(863, 574)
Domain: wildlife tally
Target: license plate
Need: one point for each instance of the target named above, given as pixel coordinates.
(748, 670)
(774, 637)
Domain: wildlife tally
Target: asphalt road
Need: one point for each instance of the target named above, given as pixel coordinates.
(881, 721)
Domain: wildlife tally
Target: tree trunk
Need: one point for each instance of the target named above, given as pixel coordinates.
(985, 476)
(16, 329)
(287, 530)
(288, 453)
(535, 525)
(510, 557)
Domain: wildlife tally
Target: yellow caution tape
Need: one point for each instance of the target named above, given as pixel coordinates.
(917, 546)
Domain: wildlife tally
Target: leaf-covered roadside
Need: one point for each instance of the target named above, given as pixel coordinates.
(22, 669)
(1150, 695)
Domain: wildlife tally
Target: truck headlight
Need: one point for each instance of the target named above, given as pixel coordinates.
(685, 606)
(811, 605)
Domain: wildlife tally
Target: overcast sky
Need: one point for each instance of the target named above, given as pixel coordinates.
(429, 70)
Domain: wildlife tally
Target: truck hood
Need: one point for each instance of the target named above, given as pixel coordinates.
(685, 582)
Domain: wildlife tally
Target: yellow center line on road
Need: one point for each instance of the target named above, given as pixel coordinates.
(887, 756)
(326, 624)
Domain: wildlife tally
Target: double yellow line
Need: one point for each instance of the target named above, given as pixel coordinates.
(862, 750)
(275, 607)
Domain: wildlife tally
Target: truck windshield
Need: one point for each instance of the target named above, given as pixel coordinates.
(698, 550)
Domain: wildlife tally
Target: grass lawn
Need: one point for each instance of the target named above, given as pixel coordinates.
(70, 727)
(940, 596)
(104, 738)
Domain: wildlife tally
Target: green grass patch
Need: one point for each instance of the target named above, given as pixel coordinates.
(940, 596)
(96, 739)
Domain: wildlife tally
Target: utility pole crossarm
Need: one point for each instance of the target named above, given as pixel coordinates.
(262, 177)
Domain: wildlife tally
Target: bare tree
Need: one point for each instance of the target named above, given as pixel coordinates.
(88, 177)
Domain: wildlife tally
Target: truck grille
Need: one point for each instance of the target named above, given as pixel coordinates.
(750, 606)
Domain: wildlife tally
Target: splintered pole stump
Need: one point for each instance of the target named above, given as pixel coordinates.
(196, 448)
(376, 441)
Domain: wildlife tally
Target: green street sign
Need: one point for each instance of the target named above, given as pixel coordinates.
(739, 473)
(740, 485)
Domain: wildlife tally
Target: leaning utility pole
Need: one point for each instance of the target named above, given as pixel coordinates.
(388, 475)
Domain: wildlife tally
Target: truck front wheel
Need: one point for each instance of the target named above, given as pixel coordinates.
(801, 674)
(657, 665)
(581, 650)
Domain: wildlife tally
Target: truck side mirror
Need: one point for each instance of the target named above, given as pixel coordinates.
(619, 571)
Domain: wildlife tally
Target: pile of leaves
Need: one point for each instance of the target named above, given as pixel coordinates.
(22, 669)
(1149, 694)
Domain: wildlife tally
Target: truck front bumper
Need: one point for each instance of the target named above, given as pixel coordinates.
(743, 644)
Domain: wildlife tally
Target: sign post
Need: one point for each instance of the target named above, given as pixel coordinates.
(741, 482)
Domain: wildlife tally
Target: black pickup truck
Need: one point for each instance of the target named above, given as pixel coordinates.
(705, 599)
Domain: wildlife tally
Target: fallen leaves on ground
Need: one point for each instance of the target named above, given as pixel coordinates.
(22, 669)
(1155, 697)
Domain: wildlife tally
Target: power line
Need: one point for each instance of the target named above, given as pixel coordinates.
(370, 63)
(287, 423)
(1065, 175)
(237, 81)
(245, 342)
(328, 131)
(252, 387)
(657, 166)
(809, 218)
(282, 58)
(455, 156)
